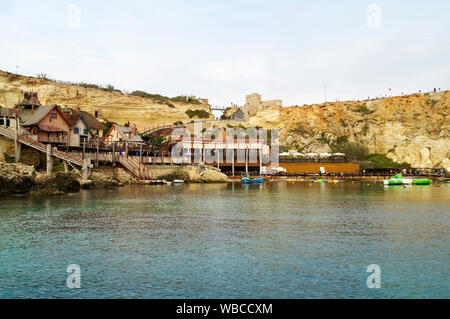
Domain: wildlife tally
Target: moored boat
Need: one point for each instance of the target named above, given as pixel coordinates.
(249, 180)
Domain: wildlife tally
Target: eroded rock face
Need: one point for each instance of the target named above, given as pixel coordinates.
(413, 129)
(57, 184)
(102, 181)
(16, 178)
(114, 106)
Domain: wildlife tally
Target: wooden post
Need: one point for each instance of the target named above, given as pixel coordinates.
(98, 146)
(49, 160)
(218, 160)
(84, 148)
(66, 168)
(17, 145)
(246, 162)
(260, 161)
(114, 153)
(140, 153)
(232, 161)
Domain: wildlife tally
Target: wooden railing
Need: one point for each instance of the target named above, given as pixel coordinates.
(137, 169)
(26, 140)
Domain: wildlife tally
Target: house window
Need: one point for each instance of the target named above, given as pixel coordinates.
(53, 116)
(96, 114)
(86, 131)
(76, 130)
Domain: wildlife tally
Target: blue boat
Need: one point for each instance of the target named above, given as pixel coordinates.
(248, 180)
(258, 180)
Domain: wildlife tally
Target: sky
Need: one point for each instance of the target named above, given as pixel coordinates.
(299, 51)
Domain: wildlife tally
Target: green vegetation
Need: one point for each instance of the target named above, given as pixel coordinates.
(162, 98)
(178, 123)
(153, 138)
(108, 126)
(8, 159)
(150, 96)
(202, 114)
(186, 99)
(364, 110)
(353, 150)
(43, 76)
(359, 152)
(300, 130)
(381, 161)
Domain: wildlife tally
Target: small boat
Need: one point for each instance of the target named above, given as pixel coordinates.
(178, 181)
(258, 180)
(248, 180)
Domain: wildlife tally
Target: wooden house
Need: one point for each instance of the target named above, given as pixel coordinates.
(124, 134)
(48, 124)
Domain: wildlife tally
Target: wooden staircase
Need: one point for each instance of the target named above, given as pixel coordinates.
(10, 133)
(139, 170)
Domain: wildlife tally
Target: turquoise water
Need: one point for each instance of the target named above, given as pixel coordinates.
(277, 240)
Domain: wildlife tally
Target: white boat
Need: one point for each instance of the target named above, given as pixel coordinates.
(178, 181)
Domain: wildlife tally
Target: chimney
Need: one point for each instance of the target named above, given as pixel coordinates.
(134, 131)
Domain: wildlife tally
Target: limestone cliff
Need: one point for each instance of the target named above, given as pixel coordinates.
(413, 128)
(114, 106)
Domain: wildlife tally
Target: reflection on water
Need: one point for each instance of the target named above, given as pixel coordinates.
(279, 240)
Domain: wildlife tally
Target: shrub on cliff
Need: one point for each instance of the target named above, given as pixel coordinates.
(202, 114)
(381, 161)
(146, 95)
(186, 99)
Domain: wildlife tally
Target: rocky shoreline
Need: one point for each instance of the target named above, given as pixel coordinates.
(24, 179)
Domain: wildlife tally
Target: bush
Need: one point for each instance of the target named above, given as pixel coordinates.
(186, 99)
(364, 110)
(354, 150)
(381, 161)
(149, 96)
(300, 130)
(202, 114)
(153, 138)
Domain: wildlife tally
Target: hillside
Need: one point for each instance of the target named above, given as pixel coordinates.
(413, 129)
(114, 106)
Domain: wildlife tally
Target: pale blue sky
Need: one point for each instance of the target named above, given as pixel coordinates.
(223, 50)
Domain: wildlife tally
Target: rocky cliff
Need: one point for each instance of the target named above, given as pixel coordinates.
(114, 106)
(413, 128)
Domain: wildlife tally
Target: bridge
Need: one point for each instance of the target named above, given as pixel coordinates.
(218, 108)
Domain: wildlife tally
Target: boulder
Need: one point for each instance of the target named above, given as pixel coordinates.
(16, 178)
(57, 184)
(100, 180)
(214, 176)
(86, 183)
